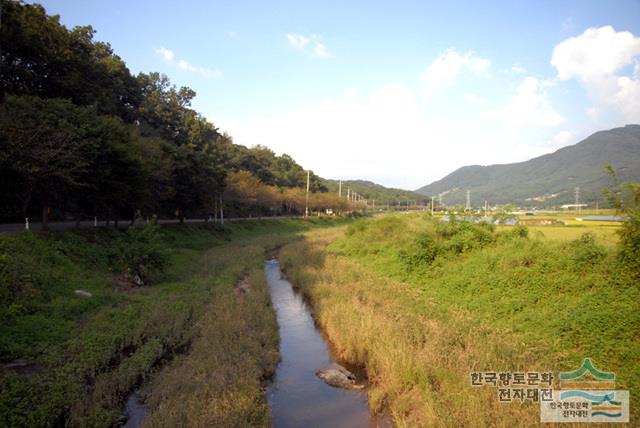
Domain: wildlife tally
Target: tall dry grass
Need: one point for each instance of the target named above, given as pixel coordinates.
(220, 382)
(418, 357)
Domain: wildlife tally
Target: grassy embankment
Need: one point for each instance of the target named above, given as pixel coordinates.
(81, 357)
(421, 305)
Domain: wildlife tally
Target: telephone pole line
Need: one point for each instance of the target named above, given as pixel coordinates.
(306, 203)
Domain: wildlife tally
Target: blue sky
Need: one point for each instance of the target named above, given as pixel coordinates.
(400, 93)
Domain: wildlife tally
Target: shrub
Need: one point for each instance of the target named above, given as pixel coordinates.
(140, 251)
(465, 236)
(629, 244)
(426, 250)
(585, 250)
(519, 231)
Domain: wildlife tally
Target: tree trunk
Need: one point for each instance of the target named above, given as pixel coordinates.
(221, 211)
(77, 216)
(45, 215)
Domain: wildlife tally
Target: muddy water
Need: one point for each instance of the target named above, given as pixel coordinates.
(297, 397)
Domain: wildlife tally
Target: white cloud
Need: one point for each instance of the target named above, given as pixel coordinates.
(595, 59)
(232, 34)
(169, 57)
(387, 135)
(167, 54)
(444, 70)
(529, 106)
(312, 45)
(518, 69)
(561, 139)
(297, 40)
(321, 51)
(474, 99)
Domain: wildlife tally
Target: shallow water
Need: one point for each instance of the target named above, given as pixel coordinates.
(297, 397)
(134, 411)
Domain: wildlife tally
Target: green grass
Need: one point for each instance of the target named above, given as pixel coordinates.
(87, 354)
(486, 301)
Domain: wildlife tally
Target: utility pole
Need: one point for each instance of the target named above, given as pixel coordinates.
(340, 189)
(468, 206)
(432, 206)
(374, 204)
(578, 200)
(306, 203)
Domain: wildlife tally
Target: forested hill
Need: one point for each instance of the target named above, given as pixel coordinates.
(80, 136)
(372, 191)
(551, 179)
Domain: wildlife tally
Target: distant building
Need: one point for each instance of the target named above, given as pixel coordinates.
(569, 206)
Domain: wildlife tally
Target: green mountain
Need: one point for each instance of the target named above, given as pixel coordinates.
(548, 180)
(371, 191)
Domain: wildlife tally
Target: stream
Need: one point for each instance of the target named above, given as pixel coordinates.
(297, 397)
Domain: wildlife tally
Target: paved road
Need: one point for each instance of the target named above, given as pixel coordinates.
(123, 224)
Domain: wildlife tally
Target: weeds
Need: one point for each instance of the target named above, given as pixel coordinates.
(87, 354)
(490, 299)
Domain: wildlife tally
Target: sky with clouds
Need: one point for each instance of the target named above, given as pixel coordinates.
(400, 93)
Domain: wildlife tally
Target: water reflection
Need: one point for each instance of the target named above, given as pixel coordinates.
(297, 397)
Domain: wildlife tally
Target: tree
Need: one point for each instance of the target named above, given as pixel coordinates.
(629, 205)
(42, 57)
(43, 146)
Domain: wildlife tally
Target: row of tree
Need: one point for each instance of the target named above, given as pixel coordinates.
(80, 136)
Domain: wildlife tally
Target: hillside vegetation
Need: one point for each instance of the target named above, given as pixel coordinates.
(548, 180)
(422, 304)
(80, 136)
(372, 191)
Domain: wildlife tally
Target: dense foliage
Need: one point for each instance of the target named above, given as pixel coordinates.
(626, 199)
(80, 136)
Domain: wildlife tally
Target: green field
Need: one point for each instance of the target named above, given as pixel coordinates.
(422, 304)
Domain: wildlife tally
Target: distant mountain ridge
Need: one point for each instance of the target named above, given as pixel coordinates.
(550, 179)
(371, 191)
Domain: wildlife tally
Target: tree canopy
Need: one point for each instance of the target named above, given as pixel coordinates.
(80, 136)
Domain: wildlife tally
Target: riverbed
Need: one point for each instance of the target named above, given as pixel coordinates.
(297, 397)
